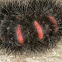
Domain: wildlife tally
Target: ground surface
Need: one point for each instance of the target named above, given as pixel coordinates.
(54, 55)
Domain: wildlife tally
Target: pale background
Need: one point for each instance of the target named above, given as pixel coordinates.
(53, 55)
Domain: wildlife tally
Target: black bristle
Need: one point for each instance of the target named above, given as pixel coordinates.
(16, 13)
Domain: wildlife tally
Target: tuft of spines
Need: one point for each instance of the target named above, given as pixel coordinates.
(17, 13)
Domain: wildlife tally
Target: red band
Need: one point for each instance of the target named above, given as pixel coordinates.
(19, 32)
(4, 38)
(39, 29)
(54, 22)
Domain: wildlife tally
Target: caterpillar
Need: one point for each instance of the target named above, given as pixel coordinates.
(32, 26)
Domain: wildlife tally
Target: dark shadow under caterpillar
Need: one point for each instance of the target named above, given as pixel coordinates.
(33, 26)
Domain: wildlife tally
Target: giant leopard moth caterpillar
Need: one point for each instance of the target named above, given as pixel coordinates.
(33, 26)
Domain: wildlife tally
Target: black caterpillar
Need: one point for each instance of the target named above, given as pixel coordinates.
(36, 25)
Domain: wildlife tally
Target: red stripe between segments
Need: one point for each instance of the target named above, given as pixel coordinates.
(54, 22)
(4, 38)
(39, 29)
(19, 32)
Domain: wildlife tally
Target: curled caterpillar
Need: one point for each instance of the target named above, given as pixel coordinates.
(33, 26)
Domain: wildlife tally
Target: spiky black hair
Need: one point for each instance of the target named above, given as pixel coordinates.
(36, 25)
